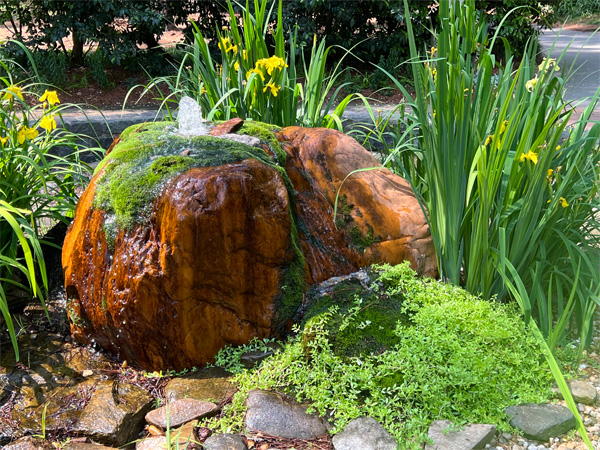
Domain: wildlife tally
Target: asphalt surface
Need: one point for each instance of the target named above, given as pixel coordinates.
(580, 53)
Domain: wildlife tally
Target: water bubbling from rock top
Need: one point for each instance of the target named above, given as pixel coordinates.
(190, 118)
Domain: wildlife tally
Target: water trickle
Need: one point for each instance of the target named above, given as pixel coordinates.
(190, 118)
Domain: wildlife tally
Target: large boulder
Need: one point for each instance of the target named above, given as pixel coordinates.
(182, 245)
(378, 218)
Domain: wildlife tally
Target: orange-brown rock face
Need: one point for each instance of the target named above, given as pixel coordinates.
(379, 219)
(205, 273)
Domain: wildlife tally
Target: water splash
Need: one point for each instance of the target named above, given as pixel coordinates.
(190, 118)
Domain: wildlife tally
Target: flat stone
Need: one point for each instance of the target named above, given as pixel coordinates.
(85, 446)
(582, 392)
(180, 438)
(364, 433)
(231, 126)
(115, 414)
(29, 443)
(180, 411)
(251, 359)
(225, 442)
(446, 436)
(271, 413)
(209, 385)
(541, 422)
(242, 139)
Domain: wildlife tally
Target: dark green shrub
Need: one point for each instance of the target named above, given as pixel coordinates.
(96, 61)
(52, 67)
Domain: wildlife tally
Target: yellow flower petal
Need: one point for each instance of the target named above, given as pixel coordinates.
(13, 91)
(531, 156)
(48, 123)
(530, 85)
(50, 96)
(3, 140)
(563, 202)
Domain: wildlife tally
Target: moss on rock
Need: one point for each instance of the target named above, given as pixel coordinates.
(374, 315)
(149, 155)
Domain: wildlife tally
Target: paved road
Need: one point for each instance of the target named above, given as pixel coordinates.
(582, 52)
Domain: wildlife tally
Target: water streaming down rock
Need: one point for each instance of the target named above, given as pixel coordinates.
(189, 118)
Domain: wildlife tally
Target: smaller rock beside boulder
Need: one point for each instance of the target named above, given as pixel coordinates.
(364, 433)
(541, 422)
(179, 412)
(212, 384)
(582, 392)
(471, 437)
(225, 442)
(272, 413)
(29, 443)
(115, 414)
(85, 446)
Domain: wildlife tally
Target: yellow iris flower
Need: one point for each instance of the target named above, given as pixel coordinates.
(272, 63)
(530, 85)
(48, 123)
(531, 156)
(3, 140)
(51, 97)
(257, 71)
(13, 91)
(273, 87)
(563, 202)
(26, 133)
(549, 63)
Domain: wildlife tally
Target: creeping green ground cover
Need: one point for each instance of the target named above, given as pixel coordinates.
(406, 351)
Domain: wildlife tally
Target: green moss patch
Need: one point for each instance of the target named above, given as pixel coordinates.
(151, 154)
(446, 354)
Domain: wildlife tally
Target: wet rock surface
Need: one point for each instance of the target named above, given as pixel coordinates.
(179, 412)
(272, 413)
(446, 436)
(115, 414)
(29, 443)
(203, 275)
(213, 385)
(378, 216)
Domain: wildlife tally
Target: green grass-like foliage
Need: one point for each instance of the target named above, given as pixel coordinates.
(453, 356)
(243, 75)
(511, 190)
(38, 187)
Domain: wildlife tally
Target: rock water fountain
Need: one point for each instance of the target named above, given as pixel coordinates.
(184, 243)
(189, 119)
